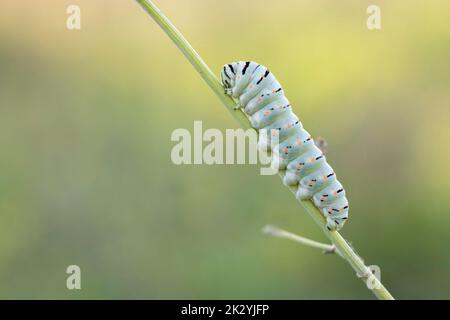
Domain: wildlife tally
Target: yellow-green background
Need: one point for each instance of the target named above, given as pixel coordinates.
(85, 171)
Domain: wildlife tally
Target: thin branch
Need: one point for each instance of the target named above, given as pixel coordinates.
(205, 72)
(280, 233)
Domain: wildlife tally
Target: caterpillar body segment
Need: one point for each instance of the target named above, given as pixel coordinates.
(291, 148)
(310, 160)
(315, 181)
(260, 95)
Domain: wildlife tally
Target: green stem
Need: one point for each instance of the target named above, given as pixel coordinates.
(205, 72)
(280, 233)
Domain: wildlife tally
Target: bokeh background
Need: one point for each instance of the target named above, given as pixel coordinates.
(86, 177)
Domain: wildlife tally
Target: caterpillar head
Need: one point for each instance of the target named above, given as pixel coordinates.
(227, 77)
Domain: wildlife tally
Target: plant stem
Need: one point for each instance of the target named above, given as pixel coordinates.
(205, 72)
(280, 233)
(193, 57)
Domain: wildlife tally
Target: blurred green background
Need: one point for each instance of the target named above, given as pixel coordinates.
(86, 177)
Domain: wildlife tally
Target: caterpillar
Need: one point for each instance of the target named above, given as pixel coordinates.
(256, 90)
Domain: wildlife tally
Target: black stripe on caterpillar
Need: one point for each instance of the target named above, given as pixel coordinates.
(257, 91)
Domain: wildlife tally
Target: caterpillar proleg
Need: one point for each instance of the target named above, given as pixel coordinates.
(257, 91)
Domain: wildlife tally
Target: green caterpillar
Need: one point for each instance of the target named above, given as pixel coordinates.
(260, 95)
